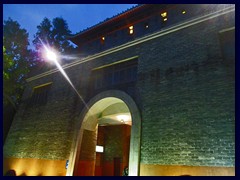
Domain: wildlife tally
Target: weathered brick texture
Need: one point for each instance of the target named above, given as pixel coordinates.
(185, 93)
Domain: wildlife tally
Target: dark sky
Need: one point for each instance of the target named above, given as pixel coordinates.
(78, 16)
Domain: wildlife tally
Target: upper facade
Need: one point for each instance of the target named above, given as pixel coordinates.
(135, 23)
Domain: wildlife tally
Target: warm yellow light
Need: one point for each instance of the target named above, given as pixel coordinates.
(164, 14)
(165, 19)
(123, 117)
(103, 38)
(183, 12)
(130, 29)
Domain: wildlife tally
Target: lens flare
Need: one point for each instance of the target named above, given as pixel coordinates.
(53, 57)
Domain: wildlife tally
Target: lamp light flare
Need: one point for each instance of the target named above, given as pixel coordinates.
(51, 55)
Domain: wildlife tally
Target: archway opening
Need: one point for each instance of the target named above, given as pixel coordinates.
(105, 142)
(111, 121)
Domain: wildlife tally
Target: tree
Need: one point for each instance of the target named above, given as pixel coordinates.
(59, 32)
(17, 60)
(43, 34)
(53, 34)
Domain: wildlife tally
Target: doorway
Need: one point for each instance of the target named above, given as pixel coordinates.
(107, 113)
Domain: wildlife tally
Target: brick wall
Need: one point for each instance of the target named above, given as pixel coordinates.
(185, 93)
(188, 109)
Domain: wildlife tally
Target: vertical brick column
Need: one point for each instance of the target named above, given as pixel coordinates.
(86, 165)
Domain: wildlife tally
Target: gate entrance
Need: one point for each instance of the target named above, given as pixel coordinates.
(109, 137)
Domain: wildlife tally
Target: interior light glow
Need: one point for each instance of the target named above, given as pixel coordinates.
(165, 19)
(183, 12)
(103, 38)
(164, 14)
(130, 29)
(99, 149)
(123, 118)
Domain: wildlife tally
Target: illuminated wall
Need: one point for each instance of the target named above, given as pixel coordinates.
(185, 91)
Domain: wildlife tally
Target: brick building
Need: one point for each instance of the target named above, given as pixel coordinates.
(157, 86)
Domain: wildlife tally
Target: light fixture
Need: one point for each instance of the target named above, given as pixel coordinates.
(103, 38)
(123, 118)
(130, 29)
(99, 149)
(183, 12)
(164, 14)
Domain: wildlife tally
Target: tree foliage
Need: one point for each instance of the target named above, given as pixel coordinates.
(53, 34)
(17, 59)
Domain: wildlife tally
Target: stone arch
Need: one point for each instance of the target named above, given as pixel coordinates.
(134, 154)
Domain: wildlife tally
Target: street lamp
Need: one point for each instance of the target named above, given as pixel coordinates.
(51, 55)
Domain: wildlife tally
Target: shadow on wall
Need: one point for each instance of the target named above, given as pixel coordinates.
(185, 175)
(23, 174)
(11, 172)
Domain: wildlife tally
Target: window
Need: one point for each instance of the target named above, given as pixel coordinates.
(227, 40)
(164, 16)
(146, 25)
(102, 39)
(115, 75)
(40, 94)
(130, 29)
(183, 12)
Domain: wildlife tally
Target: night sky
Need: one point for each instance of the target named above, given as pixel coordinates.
(78, 16)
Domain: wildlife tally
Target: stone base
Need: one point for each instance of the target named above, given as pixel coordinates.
(35, 167)
(161, 170)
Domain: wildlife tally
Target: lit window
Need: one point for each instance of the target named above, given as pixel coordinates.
(183, 12)
(99, 148)
(164, 14)
(102, 39)
(130, 29)
(146, 26)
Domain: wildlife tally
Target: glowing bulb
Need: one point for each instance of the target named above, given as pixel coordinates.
(123, 118)
(130, 27)
(51, 55)
(164, 14)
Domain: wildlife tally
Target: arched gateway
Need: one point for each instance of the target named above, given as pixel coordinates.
(88, 120)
